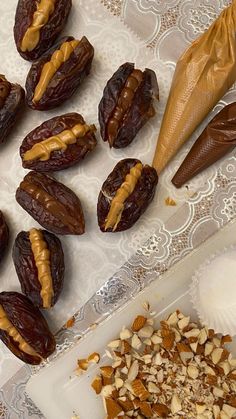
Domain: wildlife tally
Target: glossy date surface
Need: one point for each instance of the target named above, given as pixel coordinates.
(60, 159)
(4, 235)
(31, 325)
(66, 79)
(51, 204)
(127, 104)
(11, 101)
(137, 201)
(27, 271)
(48, 33)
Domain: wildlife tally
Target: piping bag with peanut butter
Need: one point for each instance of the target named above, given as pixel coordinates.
(203, 75)
(217, 139)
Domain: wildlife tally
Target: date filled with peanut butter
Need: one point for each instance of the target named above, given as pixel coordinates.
(39, 262)
(127, 104)
(58, 143)
(125, 195)
(37, 25)
(58, 73)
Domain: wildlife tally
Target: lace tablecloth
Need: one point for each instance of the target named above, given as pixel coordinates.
(153, 32)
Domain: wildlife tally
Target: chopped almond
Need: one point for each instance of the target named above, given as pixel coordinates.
(140, 390)
(97, 384)
(112, 407)
(138, 323)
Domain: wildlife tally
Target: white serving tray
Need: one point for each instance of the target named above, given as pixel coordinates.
(59, 393)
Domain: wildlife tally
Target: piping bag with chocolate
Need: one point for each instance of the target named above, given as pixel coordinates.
(217, 139)
(203, 75)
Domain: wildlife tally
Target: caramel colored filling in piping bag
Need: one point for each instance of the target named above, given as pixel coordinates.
(203, 75)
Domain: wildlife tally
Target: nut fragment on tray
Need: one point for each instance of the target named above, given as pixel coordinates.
(51, 204)
(56, 75)
(58, 143)
(125, 195)
(178, 370)
(37, 25)
(11, 101)
(23, 328)
(127, 104)
(4, 235)
(39, 261)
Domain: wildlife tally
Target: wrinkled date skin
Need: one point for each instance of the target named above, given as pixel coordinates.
(51, 204)
(137, 201)
(126, 104)
(48, 33)
(30, 324)
(4, 235)
(66, 79)
(26, 268)
(60, 159)
(11, 101)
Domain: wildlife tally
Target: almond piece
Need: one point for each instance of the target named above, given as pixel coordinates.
(161, 410)
(208, 348)
(203, 336)
(226, 367)
(114, 344)
(229, 410)
(176, 405)
(83, 364)
(152, 388)
(140, 390)
(146, 409)
(216, 355)
(94, 358)
(156, 339)
(216, 411)
(127, 405)
(112, 408)
(185, 352)
(133, 371)
(125, 334)
(138, 323)
(125, 347)
(218, 392)
(226, 339)
(136, 342)
(192, 371)
(200, 408)
(107, 391)
(146, 332)
(107, 371)
(232, 375)
(184, 322)
(97, 384)
(172, 319)
(118, 383)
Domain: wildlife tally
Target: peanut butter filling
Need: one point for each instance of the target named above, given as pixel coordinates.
(125, 190)
(124, 103)
(50, 68)
(42, 261)
(40, 17)
(42, 150)
(7, 326)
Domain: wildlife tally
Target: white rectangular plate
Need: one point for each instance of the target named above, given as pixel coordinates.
(59, 393)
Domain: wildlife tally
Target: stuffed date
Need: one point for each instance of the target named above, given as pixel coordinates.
(58, 143)
(4, 235)
(51, 204)
(125, 195)
(58, 73)
(11, 101)
(37, 25)
(23, 328)
(127, 104)
(39, 261)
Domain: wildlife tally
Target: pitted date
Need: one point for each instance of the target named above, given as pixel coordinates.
(38, 24)
(4, 235)
(11, 101)
(39, 262)
(125, 195)
(62, 77)
(58, 143)
(23, 328)
(51, 204)
(127, 104)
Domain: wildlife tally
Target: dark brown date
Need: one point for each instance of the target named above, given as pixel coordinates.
(75, 141)
(125, 195)
(11, 101)
(127, 104)
(23, 328)
(39, 261)
(37, 25)
(51, 203)
(65, 72)
(4, 235)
